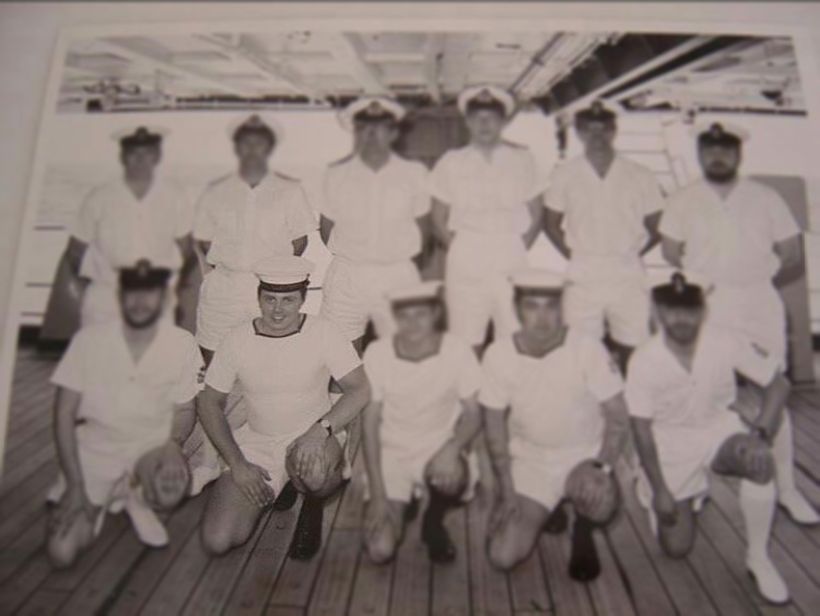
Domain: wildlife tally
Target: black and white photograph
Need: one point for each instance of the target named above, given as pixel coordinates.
(429, 316)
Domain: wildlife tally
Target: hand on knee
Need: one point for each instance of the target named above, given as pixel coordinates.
(758, 462)
(594, 493)
(446, 472)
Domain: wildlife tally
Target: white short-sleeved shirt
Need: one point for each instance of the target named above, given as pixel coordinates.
(731, 241)
(124, 403)
(284, 379)
(554, 401)
(121, 229)
(487, 196)
(659, 387)
(246, 225)
(375, 212)
(604, 217)
(421, 399)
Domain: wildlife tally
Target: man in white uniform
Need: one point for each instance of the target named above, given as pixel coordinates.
(740, 236)
(282, 362)
(602, 214)
(124, 406)
(242, 218)
(421, 420)
(139, 215)
(487, 212)
(680, 387)
(374, 220)
(556, 424)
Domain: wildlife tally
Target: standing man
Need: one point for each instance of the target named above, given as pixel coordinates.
(602, 214)
(374, 220)
(487, 212)
(242, 218)
(136, 216)
(123, 409)
(741, 237)
(680, 387)
(556, 424)
(419, 425)
(282, 361)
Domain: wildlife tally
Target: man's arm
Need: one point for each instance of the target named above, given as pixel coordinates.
(672, 251)
(792, 260)
(425, 225)
(299, 245)
(775, 394)
(536, 209)
(651, 223)
(74, 253)
(553, 221)
(616, 428)
(355, 395)
(210, 410)
(497, 434)
(66, 407)
(469, 423)
(648, 454)
(325, 227)
(372, 451)
(439, 217)
(184, 422)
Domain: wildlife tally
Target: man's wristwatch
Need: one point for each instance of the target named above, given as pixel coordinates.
(761, 433)
(326, 425)
(604, 466)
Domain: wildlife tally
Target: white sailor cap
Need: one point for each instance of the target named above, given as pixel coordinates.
(537, 279)
(486, 95)
(373, 108)
(283, 273)
(255, 122)
(141, 135)
(426, 291)
(717, 133)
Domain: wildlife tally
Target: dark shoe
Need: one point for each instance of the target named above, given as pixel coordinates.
(307, 538)
(584, 565)
(440, 547)
(557, 521)
(286, 498)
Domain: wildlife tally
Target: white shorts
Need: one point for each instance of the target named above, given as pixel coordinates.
(541, 474)
(227, 298)
(477, 286)
(266, 451)
(755, 311)
(355, 293)
(621, 302)
(686, 453)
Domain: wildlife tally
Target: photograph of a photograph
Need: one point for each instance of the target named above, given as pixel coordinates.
(470, 318)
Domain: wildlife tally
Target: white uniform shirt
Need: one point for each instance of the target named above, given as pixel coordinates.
(554, 400)
(487, 196)
(659, 387)
(284, 379)
(729, 242)
(375, 211)
(128, 405)
(121, 229)
(604, 217)
(421, 399)
(246, 225)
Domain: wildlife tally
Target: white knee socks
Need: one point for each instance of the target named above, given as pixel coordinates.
(758, 503)
(795, 503)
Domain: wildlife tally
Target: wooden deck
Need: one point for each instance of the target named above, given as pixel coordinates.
(120, 576)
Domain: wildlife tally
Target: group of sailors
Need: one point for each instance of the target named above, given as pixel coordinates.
(573, 374)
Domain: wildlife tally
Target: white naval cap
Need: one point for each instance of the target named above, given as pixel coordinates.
(141, 135)
(284, 273)
(371, 107)
(256, 122)
(486, 95)
(425, 291)
(717, 132)
(537, 279)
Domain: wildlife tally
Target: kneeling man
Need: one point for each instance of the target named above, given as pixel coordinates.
(124, 406)
(421, 420)
(680, 388)
(282, 361)
(556, 424)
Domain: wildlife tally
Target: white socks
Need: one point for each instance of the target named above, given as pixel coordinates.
(798, 508)
(758, 505)
(147, 525)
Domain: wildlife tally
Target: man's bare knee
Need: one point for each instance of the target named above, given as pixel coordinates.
(381, 549)
(62, 553)
(677, 547)
(504, 553)
(216, 540)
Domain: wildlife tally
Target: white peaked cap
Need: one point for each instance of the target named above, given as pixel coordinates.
(421, 291)
(284, 270)
(717, 127)
(376, 105)
(537, 278)
(489, 92)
